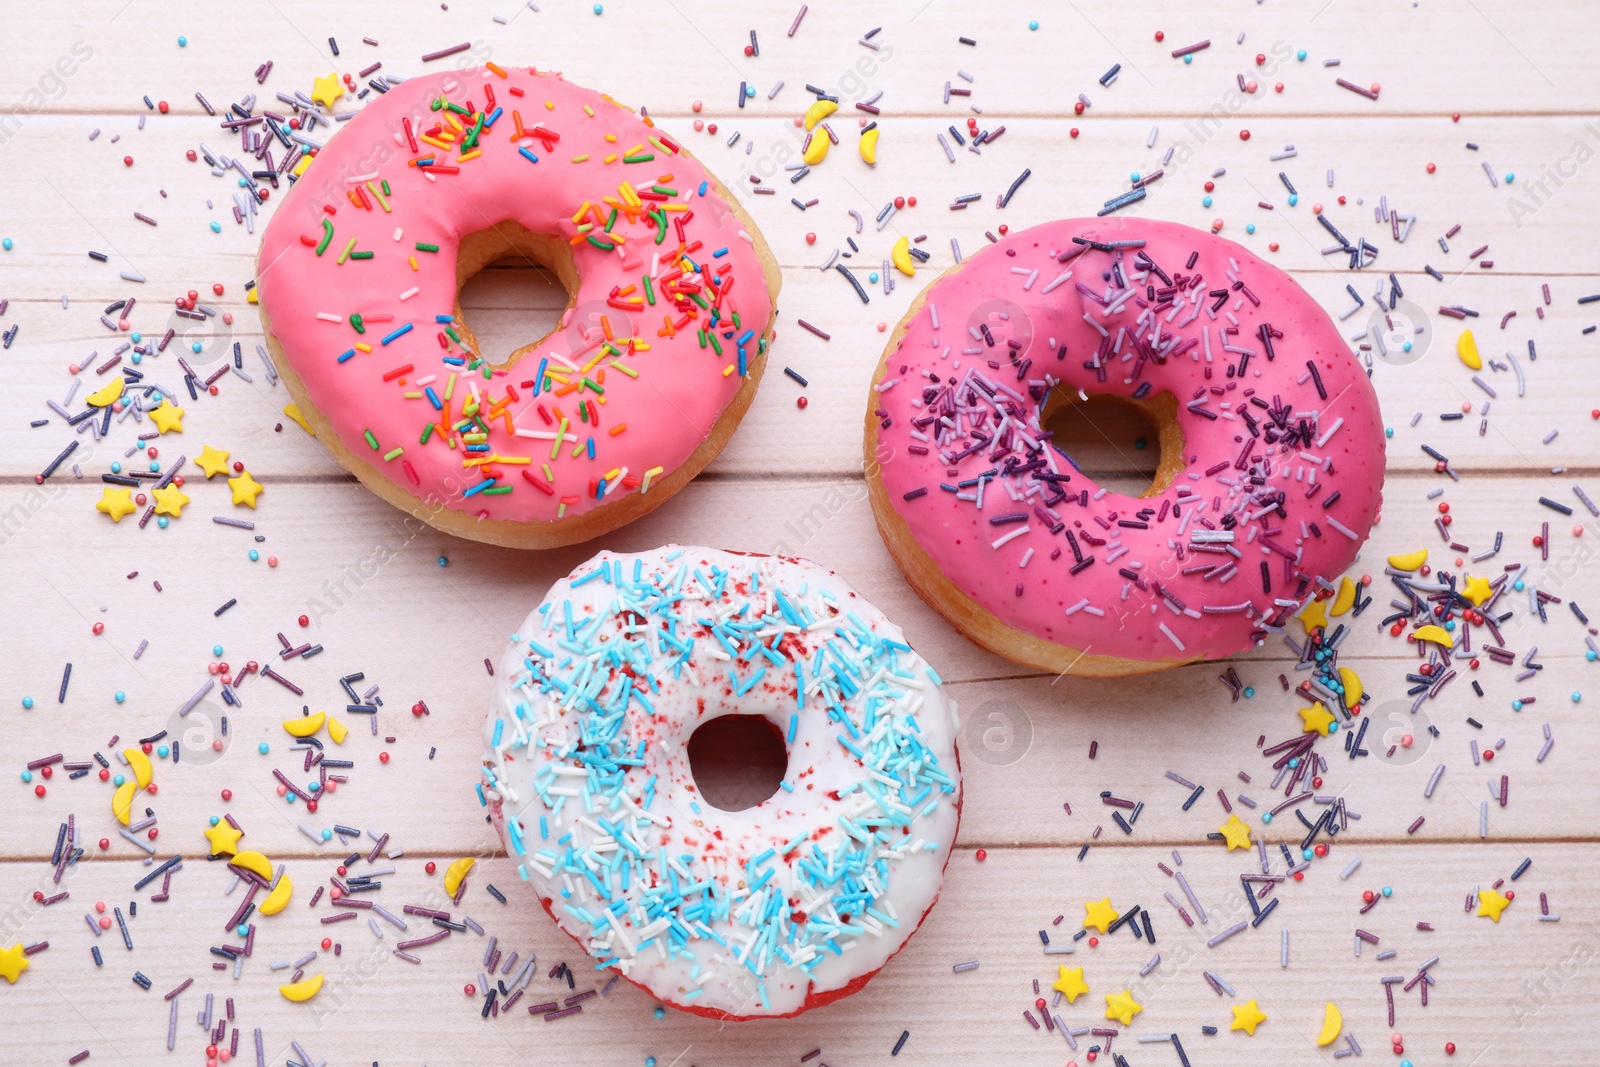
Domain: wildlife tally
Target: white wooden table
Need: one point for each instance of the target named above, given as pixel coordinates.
(382, 602)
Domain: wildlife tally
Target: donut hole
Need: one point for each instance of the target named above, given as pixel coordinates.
(737, 761)
(1132, 447)
(515, 289)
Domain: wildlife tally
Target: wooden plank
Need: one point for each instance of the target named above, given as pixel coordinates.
(990, 912)
(826, 435)
(369, 581)
(84, 197)
(1535, 69)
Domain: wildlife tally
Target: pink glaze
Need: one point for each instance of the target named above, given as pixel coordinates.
(682, 385)
(1212, 601)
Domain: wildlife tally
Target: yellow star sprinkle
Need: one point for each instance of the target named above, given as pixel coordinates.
(1316, 719)
(1315, 614)
(13, 962)
(169, 501)
(1071, 984)
(1477, 590)
(1247, 1017)
(116, 503)
(1236, 831)
(1491, 903)
(213, 461)
(245, 489)
(326, 91)
(1122, 1007)
(1099, 914)
(224, 838)
(168, 417)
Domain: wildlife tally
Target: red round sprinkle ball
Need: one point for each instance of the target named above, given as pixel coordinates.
(1449, 1048)
(383, 757)
(227, 794)
(1074, 135)
(127, 161)
(430, 867)
(1160, 36)
(982, 855)
(99, 627)
(801, 402)
(304, 621)
(1077, 109)
(105, 843)
(1244, 135)
(1488, 754)
(1432, 168)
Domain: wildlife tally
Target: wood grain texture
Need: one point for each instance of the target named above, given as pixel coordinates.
(379, 601)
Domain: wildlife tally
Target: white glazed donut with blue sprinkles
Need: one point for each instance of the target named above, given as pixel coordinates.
(764, 912)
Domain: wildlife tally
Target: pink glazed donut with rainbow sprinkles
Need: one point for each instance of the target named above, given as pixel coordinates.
(671, 297)
(1272, 447)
